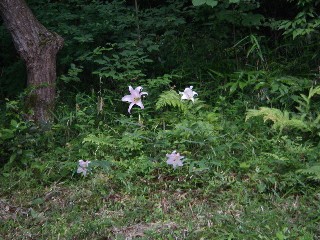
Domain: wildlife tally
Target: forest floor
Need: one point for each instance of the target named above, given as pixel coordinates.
(158, 207)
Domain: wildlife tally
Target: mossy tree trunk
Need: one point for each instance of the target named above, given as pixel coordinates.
(38, 47)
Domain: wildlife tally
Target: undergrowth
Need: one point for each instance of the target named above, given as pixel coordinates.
(240, 177)
(225, 145)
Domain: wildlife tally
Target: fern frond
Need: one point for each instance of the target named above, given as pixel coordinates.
(280, 119)
(312, 172)
(314, 91)
(170, 98)
(317, 120)
(100, 140)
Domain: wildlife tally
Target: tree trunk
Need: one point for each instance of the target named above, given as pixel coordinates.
(38, 47)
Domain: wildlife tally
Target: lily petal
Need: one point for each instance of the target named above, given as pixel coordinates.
(184, 96)
(127, 98)
(180, 164)
(139, 89)
(130, 106)
(139, 103)
(130, 89)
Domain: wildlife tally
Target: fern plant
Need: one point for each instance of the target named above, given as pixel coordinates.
(100, 140)
(171, 98)
(103, 145)
(312, 172)
(305, 101)
(307, 119)
(280, 119)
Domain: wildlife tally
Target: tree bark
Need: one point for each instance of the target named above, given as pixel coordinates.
(38, 47)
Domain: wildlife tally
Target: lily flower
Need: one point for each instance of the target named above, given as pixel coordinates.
(174, 159)
(82, 168)
(188, 94)
(134, 98)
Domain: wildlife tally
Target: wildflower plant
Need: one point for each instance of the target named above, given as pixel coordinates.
(135, 97)
(83, 167)
(175, 159)
(188, 94)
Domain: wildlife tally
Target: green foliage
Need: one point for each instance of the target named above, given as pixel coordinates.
(73, 74)
(305, 23)
(197, 133)
(171, 98)
(238, 175)
(245, 79)
(305, 101)
(307, 120)
(118, 66)
(254, 47)
(265, 87)
(100, 140)
(211, 3)
(313, 172)
(280, 119)
(131, 142)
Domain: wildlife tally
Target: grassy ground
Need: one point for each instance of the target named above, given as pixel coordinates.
(161, 206)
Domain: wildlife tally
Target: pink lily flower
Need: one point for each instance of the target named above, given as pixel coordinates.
(134, 98)
(82, 168)
(174, 159)
(188, 94)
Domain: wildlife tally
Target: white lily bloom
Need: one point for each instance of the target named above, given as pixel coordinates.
(134, 98)
(174, 159)
(188, 94)
(82, 168)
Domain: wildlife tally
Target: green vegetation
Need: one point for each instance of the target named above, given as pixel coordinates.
(250, 139)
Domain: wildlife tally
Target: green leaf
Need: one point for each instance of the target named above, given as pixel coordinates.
(12, 157)
(212, 3)
(233, 87)
(14, 123)
(34, 214)
(242, 85)
(38, 201)
(198, 2)
(244, 165)
(6, 134)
